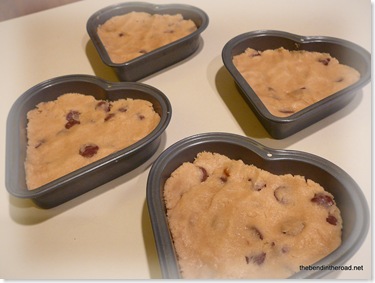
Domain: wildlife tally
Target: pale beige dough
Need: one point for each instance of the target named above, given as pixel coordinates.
(232, 220)
(289, 81)
(128, 36)
(54, 147)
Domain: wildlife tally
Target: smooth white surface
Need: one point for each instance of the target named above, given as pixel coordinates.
(106, 233)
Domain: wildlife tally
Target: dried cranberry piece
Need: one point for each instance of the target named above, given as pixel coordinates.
(88, 150)
(255, 231)
(123, 109)
(141, 116)
(260, 185)
(224, 179)
(71, 123)
(225, 176)
(324, 61)
(72, 115)
(256, 53)
(339, 80)
(323, 200)
(282, 195)
(292, 227)
(257, 259)
(204, 174)
(73, 119)
(331, 220)
(227, 172)
(285, 249)
(39, 143)
(103, 105)
(109, 116)
(286, 111)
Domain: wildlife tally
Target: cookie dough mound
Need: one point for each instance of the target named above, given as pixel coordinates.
(289, 81)
(76, 130)
(128, 36)
(232, 220)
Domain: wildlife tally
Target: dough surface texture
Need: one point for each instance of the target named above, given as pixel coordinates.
(131, 35)
(232, 220)
(76, 130)
(289, 81)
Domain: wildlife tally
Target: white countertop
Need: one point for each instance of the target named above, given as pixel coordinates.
(106, 233)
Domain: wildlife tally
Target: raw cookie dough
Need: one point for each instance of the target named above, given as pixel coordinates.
(232, 220)
(289, 81)
(128, 36)
(76, 130)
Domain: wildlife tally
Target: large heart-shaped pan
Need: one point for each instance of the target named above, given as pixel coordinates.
(346, 52)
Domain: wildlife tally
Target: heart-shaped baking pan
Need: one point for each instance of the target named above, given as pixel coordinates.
(157, 59)
(348, 196)
(345, 52)
(94, 174)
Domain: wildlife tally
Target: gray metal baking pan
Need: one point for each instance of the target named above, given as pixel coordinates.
(348, 195)
(346, 52)
(158, 59)
(92, 175)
